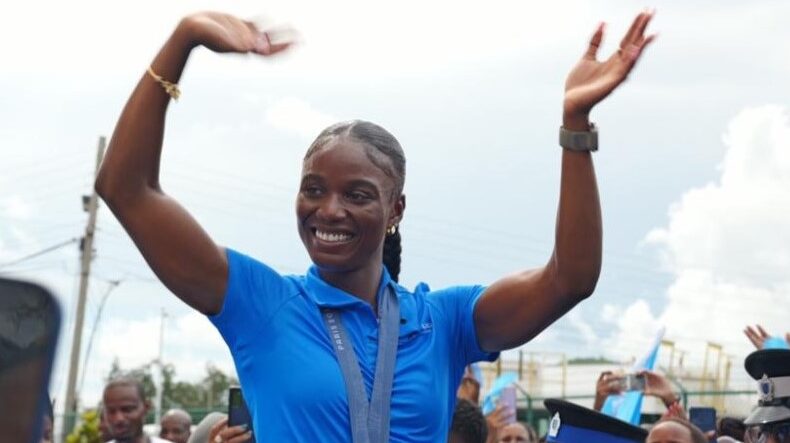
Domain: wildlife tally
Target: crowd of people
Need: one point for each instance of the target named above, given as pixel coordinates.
(344, 353)
(124, 407)
(769, 422)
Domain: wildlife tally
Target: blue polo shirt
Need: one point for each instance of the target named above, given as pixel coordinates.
(290, 375)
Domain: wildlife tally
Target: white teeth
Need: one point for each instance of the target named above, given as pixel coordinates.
(332, 237)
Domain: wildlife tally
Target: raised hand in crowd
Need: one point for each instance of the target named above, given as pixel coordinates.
(497, 420)
(657, 385)
(222, 433)
(674, 410)
(608, 384)
(758, 336)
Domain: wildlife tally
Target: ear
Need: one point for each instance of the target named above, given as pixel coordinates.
(398, 207)
(147, 405)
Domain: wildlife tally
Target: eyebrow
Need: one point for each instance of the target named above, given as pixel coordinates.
(312, 177)
(364, 184)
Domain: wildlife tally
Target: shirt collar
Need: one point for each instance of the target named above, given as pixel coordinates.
(328, 296)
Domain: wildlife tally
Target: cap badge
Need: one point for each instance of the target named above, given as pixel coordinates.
(766, 387)
(554, 425)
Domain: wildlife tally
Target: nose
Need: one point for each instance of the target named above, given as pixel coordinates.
(116, 418)
(331, 208)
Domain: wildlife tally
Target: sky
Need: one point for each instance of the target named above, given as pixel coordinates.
(693, 167)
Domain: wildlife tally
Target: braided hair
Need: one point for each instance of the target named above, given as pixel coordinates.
(378, 141)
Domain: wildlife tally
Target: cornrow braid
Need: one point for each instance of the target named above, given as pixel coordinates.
(392, 250)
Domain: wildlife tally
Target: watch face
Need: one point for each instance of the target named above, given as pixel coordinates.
(579, 141)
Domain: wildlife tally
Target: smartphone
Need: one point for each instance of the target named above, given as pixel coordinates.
(238, 414)
(633, 382)
(29, 327)
(508, 399)
(704, 418)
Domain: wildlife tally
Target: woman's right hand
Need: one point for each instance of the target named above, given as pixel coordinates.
(221, 433)
(222, 32)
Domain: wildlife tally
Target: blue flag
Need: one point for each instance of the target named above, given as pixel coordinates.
(628, 405)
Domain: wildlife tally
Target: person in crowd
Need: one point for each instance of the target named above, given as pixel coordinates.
(175, 426)
(202, 431)
(468, 425)
(222, 433)
(517, 432)
(769, 422)
(656, 385)
(299, 384)
(497, 419)
(469, 389)
(730, 427)
(761, 340)
(675, 430)
(125, 406)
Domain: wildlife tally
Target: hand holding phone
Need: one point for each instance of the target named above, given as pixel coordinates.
(508, 399)
(238, 414)
(633, 382)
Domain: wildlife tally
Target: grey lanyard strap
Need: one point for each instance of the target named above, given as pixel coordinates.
(370, 422)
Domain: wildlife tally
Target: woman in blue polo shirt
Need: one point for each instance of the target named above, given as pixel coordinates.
(343, 352)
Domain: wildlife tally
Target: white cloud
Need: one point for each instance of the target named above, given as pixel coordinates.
(635, 327)
(727, 241)
(296, 116)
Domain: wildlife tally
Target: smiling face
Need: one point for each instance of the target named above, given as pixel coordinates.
(345, 204)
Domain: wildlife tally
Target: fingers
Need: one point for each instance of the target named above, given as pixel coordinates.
(635, 42)
(274, 41)
(756, 336)
(215, 430)
(595, 41)
(235, 434)
(240, 438)
(763, 334)
(635, 34)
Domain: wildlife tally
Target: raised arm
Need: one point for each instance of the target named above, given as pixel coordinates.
(178, 250)
(516, 308)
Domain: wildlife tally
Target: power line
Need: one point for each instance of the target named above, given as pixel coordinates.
(41, 252)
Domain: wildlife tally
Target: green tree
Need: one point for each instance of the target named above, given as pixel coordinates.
(210, 392)
(88, 429)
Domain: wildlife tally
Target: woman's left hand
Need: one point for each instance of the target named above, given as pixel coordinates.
(591, 80)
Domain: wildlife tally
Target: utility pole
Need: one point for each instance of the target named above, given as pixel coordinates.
(90, 204)
(161, 365)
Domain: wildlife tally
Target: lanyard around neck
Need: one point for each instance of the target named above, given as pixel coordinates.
(370, 421)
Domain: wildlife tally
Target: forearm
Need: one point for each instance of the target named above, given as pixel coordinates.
(577, 251)
(131, 165)
(598, 403)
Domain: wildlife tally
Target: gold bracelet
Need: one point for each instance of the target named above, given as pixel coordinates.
(171, 88)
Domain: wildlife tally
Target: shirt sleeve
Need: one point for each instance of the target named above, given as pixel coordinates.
(459, 303)
(253, 295)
